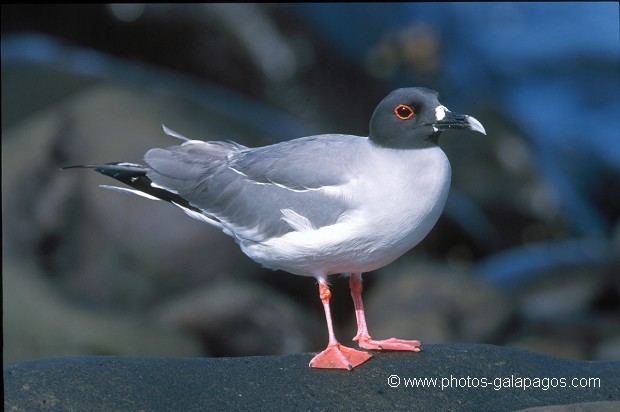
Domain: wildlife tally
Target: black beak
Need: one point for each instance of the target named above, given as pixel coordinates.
(453, 120)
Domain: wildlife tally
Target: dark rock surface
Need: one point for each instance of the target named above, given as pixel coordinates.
(287, 383)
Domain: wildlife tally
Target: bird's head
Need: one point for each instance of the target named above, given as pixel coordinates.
(414, 118)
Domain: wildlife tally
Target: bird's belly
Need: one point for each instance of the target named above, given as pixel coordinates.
(329, 250)
(346, 247)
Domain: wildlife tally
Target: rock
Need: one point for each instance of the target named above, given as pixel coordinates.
(243, 318)
(474, 377)
(562, 293)
(106, 247)
(434, 303)
(608, 349)
(601, 406)
(556, 346)
(45, 323)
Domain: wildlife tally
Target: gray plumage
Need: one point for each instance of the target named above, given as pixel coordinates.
(220, 177)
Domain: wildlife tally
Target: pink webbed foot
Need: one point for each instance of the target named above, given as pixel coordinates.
(388, 344)
(337, 356)
(363, 338)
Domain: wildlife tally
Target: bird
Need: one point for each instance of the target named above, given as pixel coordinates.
(318, 205)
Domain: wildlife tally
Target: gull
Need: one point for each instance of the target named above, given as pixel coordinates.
(317, 205)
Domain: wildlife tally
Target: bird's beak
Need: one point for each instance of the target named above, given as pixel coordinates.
(451, 120)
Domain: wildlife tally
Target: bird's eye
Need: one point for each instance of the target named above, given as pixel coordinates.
(403, 112)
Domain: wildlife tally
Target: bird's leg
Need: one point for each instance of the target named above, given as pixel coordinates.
(363, 338)
(335, 356)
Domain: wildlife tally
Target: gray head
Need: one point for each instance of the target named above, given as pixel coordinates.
(414, 118)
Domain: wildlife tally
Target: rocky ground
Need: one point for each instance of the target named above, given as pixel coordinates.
(441, 377)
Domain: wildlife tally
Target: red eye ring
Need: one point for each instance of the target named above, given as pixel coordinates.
(403, 112)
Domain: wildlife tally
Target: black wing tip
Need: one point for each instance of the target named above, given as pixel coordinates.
(126, 166)
(76, 167)
(83, 167)
(121, 171)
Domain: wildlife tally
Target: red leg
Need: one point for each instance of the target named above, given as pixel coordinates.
(363, 338)
(335, 356)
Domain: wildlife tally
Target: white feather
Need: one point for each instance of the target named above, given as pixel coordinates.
(296, 221)
(440, 112)
(172, 133)
(156, 186)
(199, 216)
(132, 191)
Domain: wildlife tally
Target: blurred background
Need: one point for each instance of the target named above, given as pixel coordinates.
(526, 254)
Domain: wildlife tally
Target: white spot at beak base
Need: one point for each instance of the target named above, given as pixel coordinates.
(440, 112)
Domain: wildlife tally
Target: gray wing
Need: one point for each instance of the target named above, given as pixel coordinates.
(247, 190)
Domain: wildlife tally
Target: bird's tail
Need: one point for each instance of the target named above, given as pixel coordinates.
(135, 176)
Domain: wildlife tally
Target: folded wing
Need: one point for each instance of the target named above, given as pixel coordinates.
(252, 193)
